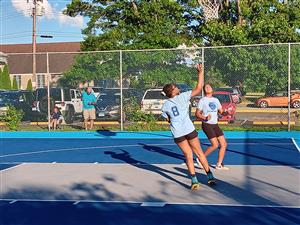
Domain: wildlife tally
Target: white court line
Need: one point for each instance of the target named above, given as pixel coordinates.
(13, 167)
(151, 203)
(118, 146)
(297, 147)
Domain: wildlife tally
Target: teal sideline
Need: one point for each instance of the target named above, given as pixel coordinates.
(295, 135)
(139, 135)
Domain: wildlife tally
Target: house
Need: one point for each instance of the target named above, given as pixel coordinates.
(19, 59)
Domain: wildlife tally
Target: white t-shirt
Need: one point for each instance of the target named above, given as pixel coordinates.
(210, 106)
(177, 108)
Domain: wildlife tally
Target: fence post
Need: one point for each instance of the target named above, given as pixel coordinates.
(48, 91)
(202, 58)
(289, 87)
(121, 90)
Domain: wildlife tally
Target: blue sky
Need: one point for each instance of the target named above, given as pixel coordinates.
(16, 22)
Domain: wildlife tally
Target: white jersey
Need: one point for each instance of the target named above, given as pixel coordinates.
(177, 109)
(210, 106)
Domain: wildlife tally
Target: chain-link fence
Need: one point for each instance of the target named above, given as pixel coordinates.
(258, 85)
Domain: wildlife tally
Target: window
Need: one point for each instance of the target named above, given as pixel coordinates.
(18, 78)
(154, 95)
(40, 79)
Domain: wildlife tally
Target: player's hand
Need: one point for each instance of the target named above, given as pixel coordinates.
(208, 117)
(80, 86)
(199, 68)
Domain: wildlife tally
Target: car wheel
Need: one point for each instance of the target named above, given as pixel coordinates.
(296, 104)
(69, 115)
(263, 104)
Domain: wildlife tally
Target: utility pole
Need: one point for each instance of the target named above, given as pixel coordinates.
(34, 44)
(35, 12)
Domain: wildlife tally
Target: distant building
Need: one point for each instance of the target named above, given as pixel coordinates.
(19, 60)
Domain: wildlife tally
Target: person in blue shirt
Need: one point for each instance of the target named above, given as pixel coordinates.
(55, 118)
(89, 112)
(176, 111)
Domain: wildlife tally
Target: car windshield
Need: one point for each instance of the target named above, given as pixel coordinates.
(154, 95)
(10, 96)
(108, 99)
(222, 98)
(97, 89)
(55, 93)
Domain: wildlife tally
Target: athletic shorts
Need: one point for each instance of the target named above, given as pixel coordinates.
(89, 114)
(212, 130)
(189, 136)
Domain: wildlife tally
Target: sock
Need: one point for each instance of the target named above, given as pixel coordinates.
(194, 178)
(209, 175)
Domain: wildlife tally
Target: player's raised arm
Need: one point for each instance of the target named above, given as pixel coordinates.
(197, 90)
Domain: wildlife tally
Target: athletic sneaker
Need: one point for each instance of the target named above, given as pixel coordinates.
(195, 186)
(211, 180)
(221, 167)
(199, 163)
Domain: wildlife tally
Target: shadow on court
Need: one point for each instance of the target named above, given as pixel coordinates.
(238, 194)
(127, 158)
(163, 151)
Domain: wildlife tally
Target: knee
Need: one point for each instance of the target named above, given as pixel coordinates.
(189, 156)
(224, 145)
(215, 146)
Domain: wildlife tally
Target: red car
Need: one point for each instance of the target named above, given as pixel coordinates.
(228, 105)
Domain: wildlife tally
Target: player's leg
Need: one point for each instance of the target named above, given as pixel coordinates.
(196, 147)
(188, 154)
(214, 145)
(223, 146)
(209, 131)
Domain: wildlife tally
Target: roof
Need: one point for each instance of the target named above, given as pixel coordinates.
(41, 47)
(58, 63)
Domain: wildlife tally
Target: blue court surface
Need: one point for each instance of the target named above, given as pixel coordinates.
(140, 178)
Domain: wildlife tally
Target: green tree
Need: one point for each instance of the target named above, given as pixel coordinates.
(140, 24)
(29, 85)
(140, 69)
(132, 24)
(5, 79)
(251, 22)
(15, 84)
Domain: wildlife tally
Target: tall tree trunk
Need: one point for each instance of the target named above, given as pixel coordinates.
(134, 6)
(239, 12)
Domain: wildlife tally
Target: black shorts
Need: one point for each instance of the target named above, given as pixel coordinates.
(189, 136)
(212, 130)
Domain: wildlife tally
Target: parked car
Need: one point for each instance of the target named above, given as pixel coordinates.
(21, 100)
(234, 91)
(67, 100)
(228, 105)
(108, 106)
(153, 101)
(184, 87)
(279, 99)
(97, 91)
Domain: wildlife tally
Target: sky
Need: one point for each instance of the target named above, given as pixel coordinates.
(16, 22)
